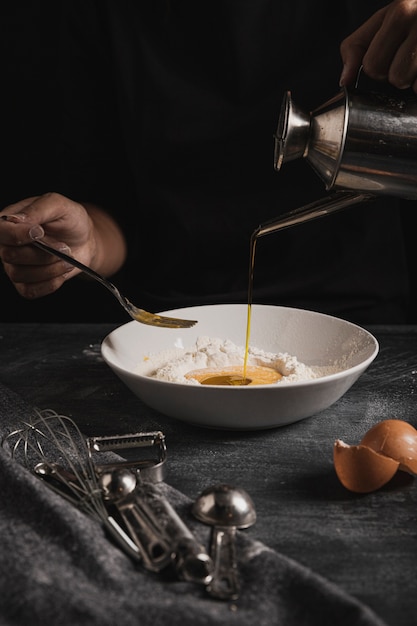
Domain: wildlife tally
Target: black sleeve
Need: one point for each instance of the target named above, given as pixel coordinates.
(29, 107)
(92, 162)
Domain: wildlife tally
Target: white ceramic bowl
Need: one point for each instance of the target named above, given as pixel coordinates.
(314, 338)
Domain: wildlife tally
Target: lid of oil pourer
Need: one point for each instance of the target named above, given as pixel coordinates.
(318, 136)
(291, 138)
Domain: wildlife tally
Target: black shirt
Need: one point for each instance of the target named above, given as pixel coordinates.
(168, 111)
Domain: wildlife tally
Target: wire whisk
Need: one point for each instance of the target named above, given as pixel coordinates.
(53, 448)
(117, 493)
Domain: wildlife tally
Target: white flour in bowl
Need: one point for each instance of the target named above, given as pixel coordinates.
(212, 353)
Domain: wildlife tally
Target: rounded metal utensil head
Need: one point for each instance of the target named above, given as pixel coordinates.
(225, 505)
(117, 483)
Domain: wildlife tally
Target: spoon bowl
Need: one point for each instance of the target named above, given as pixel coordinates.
(226, 509)
(117, 483)
(224, 505)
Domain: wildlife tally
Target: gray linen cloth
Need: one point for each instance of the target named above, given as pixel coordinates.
(58, 567)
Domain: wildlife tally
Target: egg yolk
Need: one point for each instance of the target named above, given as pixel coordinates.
(233, 376)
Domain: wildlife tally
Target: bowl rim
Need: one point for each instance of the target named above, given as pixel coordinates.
(326, 378)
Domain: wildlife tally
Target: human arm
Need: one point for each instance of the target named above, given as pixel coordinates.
(86, 231)
(385, 45)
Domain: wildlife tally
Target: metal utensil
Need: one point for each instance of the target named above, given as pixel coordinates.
(331, 203)
(226, 508)
(140, 315)
(157, 529)
(363, 139)
(54, 449)
(118, 493)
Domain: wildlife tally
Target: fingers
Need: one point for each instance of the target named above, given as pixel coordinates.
(17, 210)
(391, 54)
(20, 257)
(60, 217)
(51, 217)
(32, 291)
(35, 281)
(34, 272)
(354, 48)
(386, 46)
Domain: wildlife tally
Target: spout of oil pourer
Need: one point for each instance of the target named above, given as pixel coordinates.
(293, 130)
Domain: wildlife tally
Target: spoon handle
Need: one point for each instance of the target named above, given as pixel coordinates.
(161, 536)
(225, 582)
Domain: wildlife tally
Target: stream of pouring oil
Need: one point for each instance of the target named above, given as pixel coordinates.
(320, 208)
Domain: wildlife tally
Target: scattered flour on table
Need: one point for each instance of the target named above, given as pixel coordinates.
(172, 365)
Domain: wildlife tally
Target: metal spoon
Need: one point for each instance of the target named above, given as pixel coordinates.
(61, 480)
(117, 484)
(140, 315)
(226, 508)
(155, 527)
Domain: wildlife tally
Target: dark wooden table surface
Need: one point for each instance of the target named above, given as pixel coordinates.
(367, 544)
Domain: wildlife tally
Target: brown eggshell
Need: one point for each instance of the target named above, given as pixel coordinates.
(361, 469)
(395, 439)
